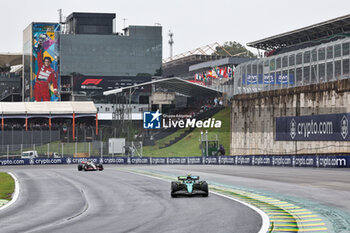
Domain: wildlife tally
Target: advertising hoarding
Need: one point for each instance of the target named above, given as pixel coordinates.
(326, 127)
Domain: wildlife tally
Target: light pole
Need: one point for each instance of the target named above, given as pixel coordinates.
(206, 142)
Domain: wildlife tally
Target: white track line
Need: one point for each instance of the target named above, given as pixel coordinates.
(265, 219)
(15, 193)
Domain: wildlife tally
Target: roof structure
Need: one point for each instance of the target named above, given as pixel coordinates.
(172, 84)
(10, 59)
(329, 28)
(204, 50)
(47, 108)
(221, 62)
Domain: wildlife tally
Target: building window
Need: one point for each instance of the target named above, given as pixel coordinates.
(299, 58)
(329, 71)
(285, 61)
(299, 79)
(292, 60)
(272, 65)
(314, 74)
(346, 68)
(278, 63)
(337, 50)
(292, 77)
(345, 49)
(314, 55)
(307, 57)
(306, 76)
(321, 72)
(337, 69)
(321, 54)
(329, 52)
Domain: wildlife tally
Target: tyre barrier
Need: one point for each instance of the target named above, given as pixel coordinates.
(327, 161)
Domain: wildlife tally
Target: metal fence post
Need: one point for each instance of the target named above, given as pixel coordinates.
(112, 148)
(101, 149)
(76, 147)
(8, 148)
(141, 149)
(34, 146)
(62, 149)
(21, 148)
(48, 149)
(89, 149)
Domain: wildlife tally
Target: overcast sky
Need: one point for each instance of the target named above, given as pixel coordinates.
(195, 23)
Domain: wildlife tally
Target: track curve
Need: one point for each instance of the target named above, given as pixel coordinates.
(61, 199)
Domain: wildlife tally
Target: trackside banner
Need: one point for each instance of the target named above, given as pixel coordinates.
(328, 127)
(327, 161)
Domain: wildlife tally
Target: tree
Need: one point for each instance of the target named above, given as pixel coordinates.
(234, 48)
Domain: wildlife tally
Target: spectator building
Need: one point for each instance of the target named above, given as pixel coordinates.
(315, 54)
(302, 79)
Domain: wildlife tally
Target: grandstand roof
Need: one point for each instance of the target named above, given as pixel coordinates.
(221, 62)
(173, 84)
(327, 28)
(47, 108)
(10, 59)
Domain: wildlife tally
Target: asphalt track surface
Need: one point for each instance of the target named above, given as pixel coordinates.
(61, 199)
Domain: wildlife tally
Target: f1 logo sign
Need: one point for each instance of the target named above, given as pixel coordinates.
(94, 81)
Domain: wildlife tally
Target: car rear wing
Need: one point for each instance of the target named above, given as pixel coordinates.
(186, 177)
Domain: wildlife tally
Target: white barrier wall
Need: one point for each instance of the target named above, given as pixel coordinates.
(254, 117)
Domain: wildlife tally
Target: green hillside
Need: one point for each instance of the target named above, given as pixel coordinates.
(189, 146)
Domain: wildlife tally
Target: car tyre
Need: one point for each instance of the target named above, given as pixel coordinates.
(80, 167)
(174, 188)
(204, 187)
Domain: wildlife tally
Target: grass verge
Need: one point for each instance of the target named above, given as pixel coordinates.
(7, 186)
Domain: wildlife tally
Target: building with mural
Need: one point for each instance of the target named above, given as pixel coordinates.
(87, 56)
(41, 79)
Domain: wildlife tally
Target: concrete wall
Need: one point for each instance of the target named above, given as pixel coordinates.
(254, 115)
(162, 98)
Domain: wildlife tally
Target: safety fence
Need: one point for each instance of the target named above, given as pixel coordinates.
(72, 149)
(326, 161)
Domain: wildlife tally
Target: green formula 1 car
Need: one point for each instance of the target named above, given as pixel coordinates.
(189, 186)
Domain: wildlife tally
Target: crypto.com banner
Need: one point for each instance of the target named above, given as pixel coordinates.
(328, 127)
(328, 161)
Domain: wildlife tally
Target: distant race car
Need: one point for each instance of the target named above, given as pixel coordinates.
(89, 166)
(189, 186)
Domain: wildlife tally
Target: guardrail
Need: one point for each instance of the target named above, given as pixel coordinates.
(319, 161)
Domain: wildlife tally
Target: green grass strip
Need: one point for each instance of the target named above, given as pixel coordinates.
(7, 186)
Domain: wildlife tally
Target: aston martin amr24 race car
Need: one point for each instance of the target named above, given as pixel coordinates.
(189, 186)
(89, 166)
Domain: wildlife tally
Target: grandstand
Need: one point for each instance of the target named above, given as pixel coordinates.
(22, 116)
(304, 77)
(315, 54)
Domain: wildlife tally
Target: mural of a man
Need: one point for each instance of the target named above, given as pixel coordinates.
(45, 76)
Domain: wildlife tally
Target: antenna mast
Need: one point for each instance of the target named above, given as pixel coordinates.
(60, 19)
(171, 42)
(124, 19)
